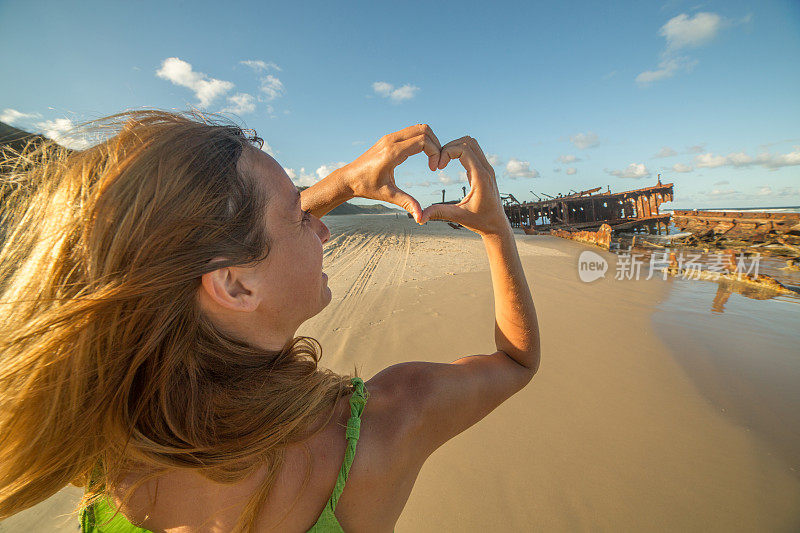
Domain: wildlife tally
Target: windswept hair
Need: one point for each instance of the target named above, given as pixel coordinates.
(107, 365)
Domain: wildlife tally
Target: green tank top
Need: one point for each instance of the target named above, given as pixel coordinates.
(103, 518)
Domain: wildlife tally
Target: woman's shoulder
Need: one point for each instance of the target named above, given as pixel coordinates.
(384, 470)
(386, 463)
(376, 470)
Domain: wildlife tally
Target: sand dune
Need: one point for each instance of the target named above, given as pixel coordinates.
(611, 434)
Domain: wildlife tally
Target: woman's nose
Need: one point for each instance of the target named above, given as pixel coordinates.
(324, 233)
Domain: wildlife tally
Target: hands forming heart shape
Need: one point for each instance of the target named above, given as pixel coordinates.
(372, 176)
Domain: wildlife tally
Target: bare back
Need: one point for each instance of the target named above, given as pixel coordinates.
(379, 484)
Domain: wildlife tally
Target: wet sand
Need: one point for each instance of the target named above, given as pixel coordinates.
(614, 433)
(744, 355)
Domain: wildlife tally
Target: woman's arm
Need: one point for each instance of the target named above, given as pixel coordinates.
(436, 401)
(372, 174)
(326, 194)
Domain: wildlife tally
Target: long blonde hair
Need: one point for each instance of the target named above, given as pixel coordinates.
(106, 362)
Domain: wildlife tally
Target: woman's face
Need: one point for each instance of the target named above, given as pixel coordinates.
(289, 282)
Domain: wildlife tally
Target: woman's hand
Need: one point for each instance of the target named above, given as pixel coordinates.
(481, 210)
(372, 174)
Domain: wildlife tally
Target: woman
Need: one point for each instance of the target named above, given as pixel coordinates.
(151, 288)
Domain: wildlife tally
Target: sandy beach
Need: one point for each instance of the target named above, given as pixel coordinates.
(621, 429)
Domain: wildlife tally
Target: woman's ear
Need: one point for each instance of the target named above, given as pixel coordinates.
(229, 287)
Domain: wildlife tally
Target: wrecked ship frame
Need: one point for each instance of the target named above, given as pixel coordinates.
(635, 210)
(751, 226)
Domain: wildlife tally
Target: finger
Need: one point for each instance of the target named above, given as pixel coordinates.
(411, 131)
(421, 129)
(479, 152)
(433, 159)
(460, 149)
(406, 201)
(444, 158)
(441, 212)
(415, 145)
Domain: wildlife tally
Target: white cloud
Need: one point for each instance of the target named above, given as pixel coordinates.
(271, 87)
(494, 160)
(765, 190)
(240, 104)
(382, 88)
(446, 179)
(301, 178)
(665, 151)
(709, 160)
(722, 182)
(268, 149)
(10, 116)
(61, 130)
(585, 140)
(684, 31)
(633, 171)
(680, 167)
(681, 32)
(567, 159)
(395, 94)
(181, 73)
(722, 193)
(324, 170)
(666, 69)
(572, 170)
(425, 183)
(520, 169)
(557, 169)
(696, 149)
(404, 93)
(259, 65)
(788, 191)
(741, 159)
(785, 160)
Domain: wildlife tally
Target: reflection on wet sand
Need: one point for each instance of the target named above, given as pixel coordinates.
(755, 277)
(739, 345)
(726, 288)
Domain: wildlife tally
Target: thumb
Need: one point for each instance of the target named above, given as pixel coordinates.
(449, 212)
(407, 202)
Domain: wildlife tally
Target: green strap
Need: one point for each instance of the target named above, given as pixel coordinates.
(94, 519)
(357, 402)
(102, 517)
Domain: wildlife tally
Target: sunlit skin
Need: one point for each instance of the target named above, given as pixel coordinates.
(414, 407)
(266, 303)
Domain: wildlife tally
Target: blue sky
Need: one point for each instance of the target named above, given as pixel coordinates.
(567, 95)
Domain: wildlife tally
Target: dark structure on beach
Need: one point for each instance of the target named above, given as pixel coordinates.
(635, 210)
